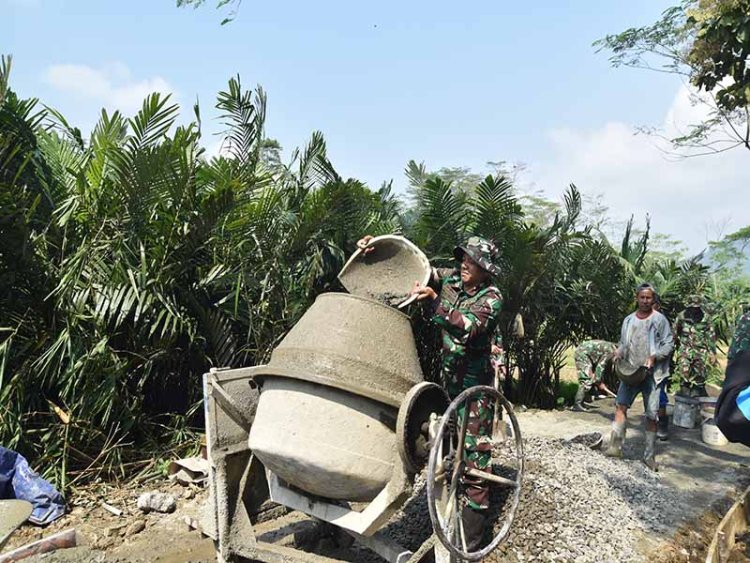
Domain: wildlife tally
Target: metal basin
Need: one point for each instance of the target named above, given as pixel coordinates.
(323, 440)
(387, 273)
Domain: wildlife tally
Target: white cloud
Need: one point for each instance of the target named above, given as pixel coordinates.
(112, 86)
(685, 197)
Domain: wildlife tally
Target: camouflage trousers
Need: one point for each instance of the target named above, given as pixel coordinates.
(692, 370)
(584, 367)
(477, 448)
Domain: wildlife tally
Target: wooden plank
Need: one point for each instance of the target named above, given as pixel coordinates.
(734, 522)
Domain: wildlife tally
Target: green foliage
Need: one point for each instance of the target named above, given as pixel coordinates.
(705, 42)
(235, 6)
(559, 277)
(721, 49)
(130, 264)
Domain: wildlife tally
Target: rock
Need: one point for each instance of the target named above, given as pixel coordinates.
(115, 530)
(104, 543)
(135, 528)
(157, 502)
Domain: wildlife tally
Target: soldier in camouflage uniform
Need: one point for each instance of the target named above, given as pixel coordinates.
(741, 338)
(591, 357)
(466, 307)
(695, 346)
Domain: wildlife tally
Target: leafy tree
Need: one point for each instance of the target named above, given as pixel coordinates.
(704, 42)
(562, 280)
(233, 4)
(731, 251)
(721, 49)
(130, 265)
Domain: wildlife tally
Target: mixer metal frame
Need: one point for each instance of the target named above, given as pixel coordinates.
(240, 484)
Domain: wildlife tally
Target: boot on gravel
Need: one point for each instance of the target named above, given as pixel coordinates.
(616, 440)
(649, 454)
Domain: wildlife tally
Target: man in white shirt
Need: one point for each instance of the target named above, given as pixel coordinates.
(645, 340)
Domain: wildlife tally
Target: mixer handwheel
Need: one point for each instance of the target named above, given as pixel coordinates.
(447, 469)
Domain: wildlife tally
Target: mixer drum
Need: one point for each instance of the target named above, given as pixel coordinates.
(329, 398)
(351, 343)
(324, 441)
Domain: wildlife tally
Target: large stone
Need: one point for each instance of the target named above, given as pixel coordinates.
(156, 502)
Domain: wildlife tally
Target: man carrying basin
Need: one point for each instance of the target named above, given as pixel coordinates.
(466, 305)
(641, 363)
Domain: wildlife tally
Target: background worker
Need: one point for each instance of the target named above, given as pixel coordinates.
(695, 347)
(592, 358)
(645, 342)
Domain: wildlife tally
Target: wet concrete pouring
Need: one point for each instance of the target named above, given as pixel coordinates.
(576, 505)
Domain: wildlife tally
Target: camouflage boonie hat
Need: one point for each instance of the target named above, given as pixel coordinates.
(694, 301)
(482, 251)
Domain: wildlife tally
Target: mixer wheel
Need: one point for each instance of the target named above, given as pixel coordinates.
(447, 468)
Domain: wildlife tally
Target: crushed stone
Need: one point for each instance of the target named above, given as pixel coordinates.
(576, 505)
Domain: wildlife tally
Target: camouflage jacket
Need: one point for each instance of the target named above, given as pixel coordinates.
(468, 322)
(741, 338)
(696, 336)
(594, 351)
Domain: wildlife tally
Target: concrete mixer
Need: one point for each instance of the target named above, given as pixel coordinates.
(340, 421)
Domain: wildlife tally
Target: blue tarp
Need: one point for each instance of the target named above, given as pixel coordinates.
(17, 480)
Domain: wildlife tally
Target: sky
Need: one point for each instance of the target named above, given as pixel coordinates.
(450, 84)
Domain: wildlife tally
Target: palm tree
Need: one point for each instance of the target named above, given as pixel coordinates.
(145, 264)
(559, 277)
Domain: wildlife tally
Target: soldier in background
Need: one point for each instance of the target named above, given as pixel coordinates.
(695, 347)
(592, 358)
(497, 358)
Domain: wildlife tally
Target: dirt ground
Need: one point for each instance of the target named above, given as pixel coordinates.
(132, 537)
(705, 479)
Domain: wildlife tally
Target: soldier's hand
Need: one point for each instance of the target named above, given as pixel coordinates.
(423, 292)
(617, 353)
(363, 242)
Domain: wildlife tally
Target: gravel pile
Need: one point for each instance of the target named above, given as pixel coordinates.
(576, 505)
